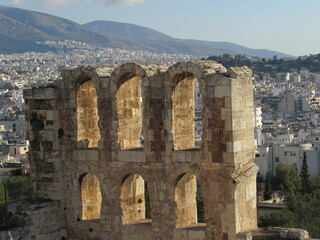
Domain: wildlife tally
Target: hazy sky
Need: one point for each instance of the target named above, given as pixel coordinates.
(288, 26)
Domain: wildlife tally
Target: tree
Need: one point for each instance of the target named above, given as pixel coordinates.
(305, 181)
(2, 193)
(16, 172)
(268, 186)
(226, 57)
(18, 188)
(306, 211)
(287, 179)
(284, 218)
(303, 211)
(315, 183)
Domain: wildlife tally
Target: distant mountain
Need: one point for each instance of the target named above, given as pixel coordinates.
(16, 36)
(235, 49)
(21, 29)
(128, 30)
(138, 32)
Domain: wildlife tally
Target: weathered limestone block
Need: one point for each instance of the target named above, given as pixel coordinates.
(27, 94)
(131, 156)
(296, 233)
(244, 74)
(45, 93)
(211, 67)
(222, 91)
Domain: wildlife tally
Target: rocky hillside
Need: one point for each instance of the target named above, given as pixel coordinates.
(20, 30)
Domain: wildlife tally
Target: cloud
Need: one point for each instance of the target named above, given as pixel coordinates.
(16, 2)
(121, 2)
(63, 3)
(60, 3)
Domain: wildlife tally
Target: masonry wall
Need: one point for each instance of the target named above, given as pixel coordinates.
(144, 146)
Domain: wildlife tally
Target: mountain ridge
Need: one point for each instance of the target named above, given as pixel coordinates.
(21, 29)
(139, 32)
(127, 30)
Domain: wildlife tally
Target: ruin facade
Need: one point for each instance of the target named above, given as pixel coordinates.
(114, 149)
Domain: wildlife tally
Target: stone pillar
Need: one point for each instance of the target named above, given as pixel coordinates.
(241, 147)
(42, 120)
(155, 117)
(228, 143)
(163, 207)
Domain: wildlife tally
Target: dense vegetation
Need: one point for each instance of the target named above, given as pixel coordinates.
(270, 65)
(13, 189)
(302, 196)
(286, 181)
(17, 188)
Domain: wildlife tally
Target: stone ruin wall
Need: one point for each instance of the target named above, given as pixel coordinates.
(103, 137)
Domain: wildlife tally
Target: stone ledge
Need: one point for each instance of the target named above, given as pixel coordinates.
(275, 233)
(131, 156)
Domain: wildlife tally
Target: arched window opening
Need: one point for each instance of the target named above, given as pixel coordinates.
(190, 209)
(90, 197)
(135, 202)
(183, 107)
(130, 113)
(87, 114)
(200, 205)
(198, 114)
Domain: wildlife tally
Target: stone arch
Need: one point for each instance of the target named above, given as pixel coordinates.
(178, 68)
(84, 74)
(135, 202)
(128, 95)
(180, 82)
(189, 202)
(90, 196)
(71, 82)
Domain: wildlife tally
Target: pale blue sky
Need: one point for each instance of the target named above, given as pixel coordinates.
(288, 26)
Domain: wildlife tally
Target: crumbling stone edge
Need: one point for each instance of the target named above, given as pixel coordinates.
(275, 233)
